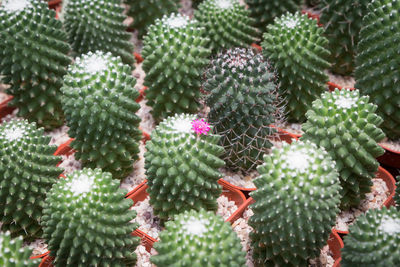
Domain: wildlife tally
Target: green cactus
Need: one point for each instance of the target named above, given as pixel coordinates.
(86, 221)
(175, 54)
(297, 200)
(345, 124)
(145, 12)
(374, 240)
(198, 238)
(99, 105)
(33, 60)
(182, 168)
(228, 24)
(342, 20)
(241, 91)
(376, 72)
(12, 254)
(294, 43)
(97, 25)
(265, 11)
(27, 170)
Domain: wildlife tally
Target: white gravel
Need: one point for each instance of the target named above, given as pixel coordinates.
(59, 135)
(392, 144)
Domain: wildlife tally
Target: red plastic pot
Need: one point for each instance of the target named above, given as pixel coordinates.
(4, 108)
(335, 244)
(390, 183)
(53, 4)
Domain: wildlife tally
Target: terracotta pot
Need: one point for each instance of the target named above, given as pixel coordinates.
(335, 244)
(390, 183)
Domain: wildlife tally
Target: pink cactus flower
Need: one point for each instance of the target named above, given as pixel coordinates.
(200, 127)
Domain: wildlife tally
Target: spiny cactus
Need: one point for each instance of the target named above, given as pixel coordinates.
(97, 25)
(265, 11)
(12, 254)
(175, 54)
(198, 238)
(342, 20)
(27, 170)
(294, 43)
(374, 240)
(33, 59)
(145, 12)
(99, 104)
(86, 221)
(345, 124)
(228, 24)
(182, 168)
(377, 72)
(241, 93)
(297, 200)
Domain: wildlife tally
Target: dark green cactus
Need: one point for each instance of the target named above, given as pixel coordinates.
(86, 221)
(182, 168)
(27, 171)
(198, 238)
(377, 72)
(265, 11)
(342, 20)
(175, 54)
(97, 25)
(297, 200)
(374, 240)
(241, 91)
(345, 124)
(145, 12)
(33, 59)
(99, 104)
(12, 254)
(294, 43)
(228, 24)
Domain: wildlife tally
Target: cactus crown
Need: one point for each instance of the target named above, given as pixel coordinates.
(96, 83)
(13, 254)
(297, 199)
(86, 221)
(374, 239)
(198, 238)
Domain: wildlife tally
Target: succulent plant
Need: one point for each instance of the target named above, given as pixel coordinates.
(228, 24)
(97, 25)
(374, 240)
(33, 59)
(27, 170)
(182, 167)
(12, 254)
(376, 72)
(175, 54)
(295, 45)
(99, 105)
(145, 12)
(296, 203)
(198, 238)
(342, 20)
(345, 124)
(265, 11)
(241, 91)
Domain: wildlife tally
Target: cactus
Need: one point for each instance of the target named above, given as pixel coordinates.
(345, 124)
(228, 24)
(99, 104)
(27, 170)
(297, 200)
(376, 72)
(175, 54)
(374, 240)
(97, 25)
(342, 20)
(198, 238)
(145, 12)
(181, 167)
(33, 60)
(12, 254)
(86, 221)
(241, 91)
(294, 43)
(265, 11)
